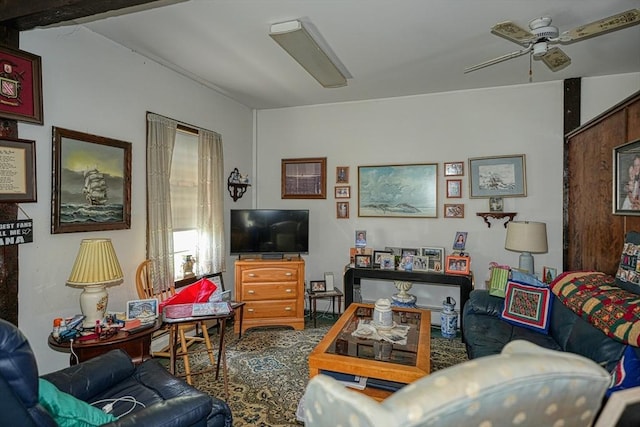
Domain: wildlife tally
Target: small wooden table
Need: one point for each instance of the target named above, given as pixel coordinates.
(137, 345)
(341, 352)
(314, 296)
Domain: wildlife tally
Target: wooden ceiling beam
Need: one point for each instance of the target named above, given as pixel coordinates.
(25, 15)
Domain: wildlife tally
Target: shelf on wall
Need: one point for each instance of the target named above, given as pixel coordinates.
(497, 215)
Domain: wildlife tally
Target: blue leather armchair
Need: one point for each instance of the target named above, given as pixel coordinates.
(168, 401)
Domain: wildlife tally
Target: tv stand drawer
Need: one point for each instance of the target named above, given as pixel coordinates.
(269, 291)
(269, 274)
(269, 309)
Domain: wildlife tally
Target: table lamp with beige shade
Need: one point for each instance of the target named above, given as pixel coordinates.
(96, 267)
(526, 237)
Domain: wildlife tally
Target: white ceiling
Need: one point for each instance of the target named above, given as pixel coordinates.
(391, 48)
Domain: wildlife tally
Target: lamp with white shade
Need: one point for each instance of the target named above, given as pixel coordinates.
(95, 268)
(526, 237)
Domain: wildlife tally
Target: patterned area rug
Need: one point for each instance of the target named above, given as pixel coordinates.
(268, 371)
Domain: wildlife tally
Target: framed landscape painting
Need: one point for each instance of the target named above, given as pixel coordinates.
(398, 191)
(503, 176)
(91, 183)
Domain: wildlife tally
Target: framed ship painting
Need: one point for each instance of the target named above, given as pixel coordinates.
(91, 183)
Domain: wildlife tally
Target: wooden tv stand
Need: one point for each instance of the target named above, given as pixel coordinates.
(273, 291)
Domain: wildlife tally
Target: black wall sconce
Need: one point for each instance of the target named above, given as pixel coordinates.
(237, 184)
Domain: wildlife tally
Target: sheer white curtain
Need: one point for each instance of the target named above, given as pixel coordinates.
(161, 136)
(210, 216)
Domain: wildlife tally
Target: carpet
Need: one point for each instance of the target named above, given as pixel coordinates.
(268, 371)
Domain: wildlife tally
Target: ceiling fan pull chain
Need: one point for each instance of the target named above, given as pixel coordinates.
(530, 68)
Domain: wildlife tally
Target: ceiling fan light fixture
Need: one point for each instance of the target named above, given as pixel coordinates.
(294, 38)
(540, 49)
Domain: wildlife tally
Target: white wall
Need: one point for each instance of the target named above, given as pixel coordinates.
(454, 126)
(92, 85)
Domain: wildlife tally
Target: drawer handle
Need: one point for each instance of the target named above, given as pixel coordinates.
(251, 275)
(250, 310)
(288, 274)
(251, 292)
(288, 309)
(288, 291)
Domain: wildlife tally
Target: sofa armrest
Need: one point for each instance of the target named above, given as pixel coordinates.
(481, 302)
(89, 378)
(179, 411)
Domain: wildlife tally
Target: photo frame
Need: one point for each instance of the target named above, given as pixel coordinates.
(342, 192)
(363, 261)
(342, 210)
(142, 308)
(304, 178)
(342, 174)
(457, 264)
(394, 250)
(409, 251)
(454, 169)
(454, 188)
(21, 91)
(420, 263)
(549, 274)
(18, 157)
(496, 204)
(626, 179)
(412, 187)
(460, 241)
(317, 286)
(377, 255)
(387, 261)
(503, 176)
(454, 210)
(91, 183)
(435, 254)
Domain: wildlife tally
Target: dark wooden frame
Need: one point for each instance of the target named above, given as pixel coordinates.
(448, 210)
(346, 204)
(317, 286)
(22, 63)
(450, 194)
(319, 164)
(449, 169)
(61, 137)
(345, 178)
(345, 188)
(28, 169)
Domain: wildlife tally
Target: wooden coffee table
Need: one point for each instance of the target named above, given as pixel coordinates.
(341, 352)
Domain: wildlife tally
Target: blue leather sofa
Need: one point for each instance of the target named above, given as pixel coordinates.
(168, 401)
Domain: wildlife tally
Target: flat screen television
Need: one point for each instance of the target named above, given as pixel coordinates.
(269, 231)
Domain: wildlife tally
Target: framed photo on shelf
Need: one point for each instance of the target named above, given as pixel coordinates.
(454, 169)
(420, 263)
(142, 308)
(460, 241)
(377, 255)
(412, 187)
(387, 261)
(409, 251)
(454, 210)
(21, 94)
(91, 183)
(435, 256)
(342, 174)
(317, 286)
(454, 188)
(457, 264)
(394, 250)
(304, 178)
(503, 176)
(363, 261)
(626, 179)
(342, 210)
(496, 204)
(18, 159)
(342, 192)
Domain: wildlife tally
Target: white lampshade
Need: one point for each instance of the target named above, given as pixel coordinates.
(96, 266)
(526, 237)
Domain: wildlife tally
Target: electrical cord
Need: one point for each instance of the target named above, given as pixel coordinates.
(73, 352)
(110, 403)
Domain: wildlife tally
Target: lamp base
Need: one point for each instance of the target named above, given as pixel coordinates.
(526, 262)
(93, 304)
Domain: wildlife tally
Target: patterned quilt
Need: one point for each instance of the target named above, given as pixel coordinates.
(594, 297)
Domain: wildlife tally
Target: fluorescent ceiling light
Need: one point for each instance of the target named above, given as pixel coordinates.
(296, 40)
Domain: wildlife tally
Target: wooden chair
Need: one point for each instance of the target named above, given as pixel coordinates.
(145, 290)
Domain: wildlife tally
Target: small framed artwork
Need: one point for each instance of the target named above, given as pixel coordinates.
(454, 169)
(304, 178)
(460, 241)
(454, 188)
(363, 261)
(496, 204)
(409, 251)
(454, 210)
(497, 176)
(91, 183)
(342, 192)
(457, 264)
(377, 255)
(387, 261)
(18, 160)
(21, 93)
(626, 179)
(342, 174)
(342, 210)
(142, 308)
(549, 274)
(420, 263)
(318, 286)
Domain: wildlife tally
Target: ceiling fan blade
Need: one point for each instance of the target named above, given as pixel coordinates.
(513, 32)
(612, 23)
(556, 59)
(499, 59)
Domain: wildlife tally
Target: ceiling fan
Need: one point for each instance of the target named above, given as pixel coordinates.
(542, 34)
